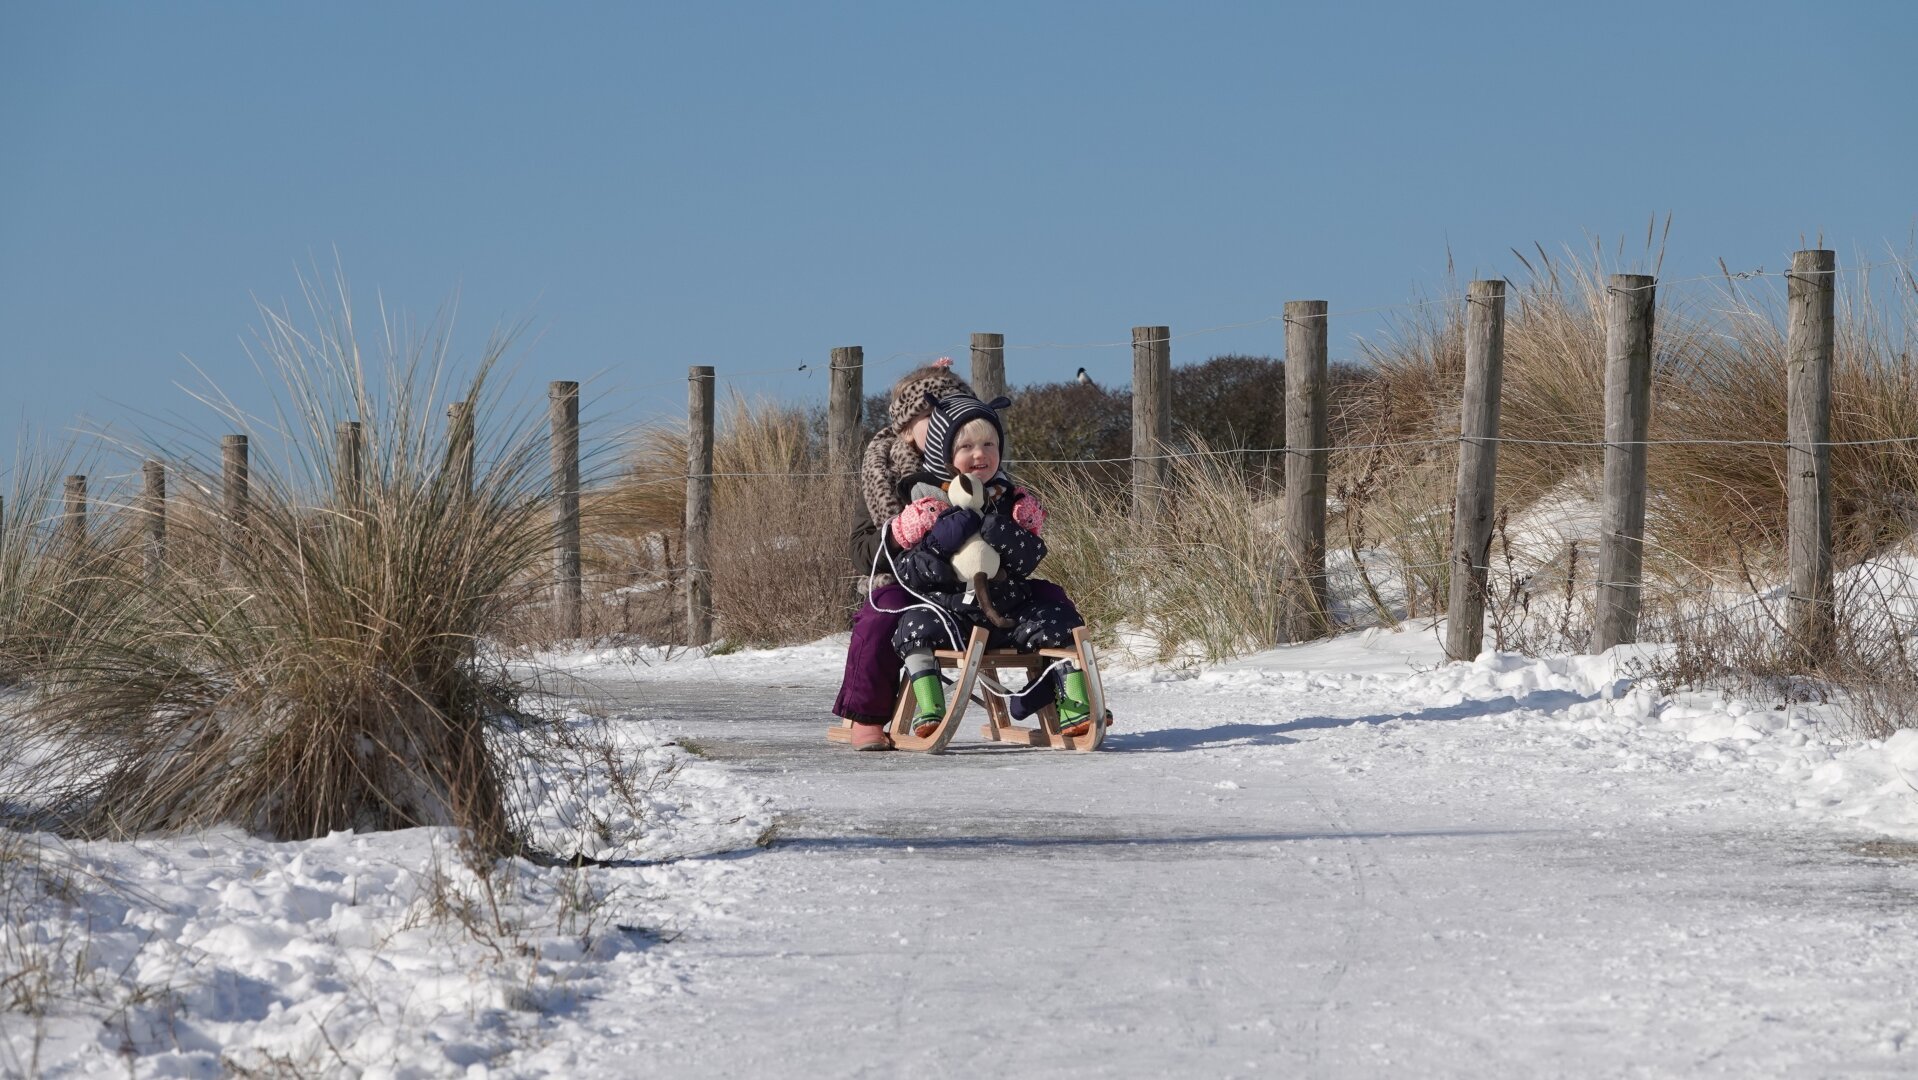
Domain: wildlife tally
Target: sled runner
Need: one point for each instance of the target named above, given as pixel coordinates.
(975, 677)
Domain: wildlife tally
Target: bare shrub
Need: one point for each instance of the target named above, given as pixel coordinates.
(1390, 506)
(1736, 639)
(1071, 422)
(1232, 404)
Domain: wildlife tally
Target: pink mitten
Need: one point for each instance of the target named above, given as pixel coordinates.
(1027, 513)
(915, 521)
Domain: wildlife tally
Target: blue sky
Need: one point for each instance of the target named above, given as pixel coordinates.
(749, 185)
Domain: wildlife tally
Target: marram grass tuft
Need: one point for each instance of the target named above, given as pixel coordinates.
(316, 662)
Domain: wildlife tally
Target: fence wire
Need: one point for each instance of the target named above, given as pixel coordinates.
(1397, 444)
(1539, 589)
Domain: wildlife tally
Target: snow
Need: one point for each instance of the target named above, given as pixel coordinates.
(382, 954)
(1345, 858)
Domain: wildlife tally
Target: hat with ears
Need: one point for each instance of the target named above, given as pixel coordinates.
(950, 413)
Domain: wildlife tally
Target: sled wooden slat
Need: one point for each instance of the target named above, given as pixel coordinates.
(1095, 691)
(1020, 736)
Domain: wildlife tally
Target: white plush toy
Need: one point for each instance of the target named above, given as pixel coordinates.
(975, 562)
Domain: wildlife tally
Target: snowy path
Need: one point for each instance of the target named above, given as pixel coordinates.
(1316, 865)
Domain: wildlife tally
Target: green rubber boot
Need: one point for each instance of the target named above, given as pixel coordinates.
(1075, 711)
(929, 696)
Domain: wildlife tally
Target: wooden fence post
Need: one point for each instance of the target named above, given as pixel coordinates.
(349, 476)
(460, 449)
(1810, 341)
(1477, 467)
(153, 506)
(1303, 613)
(563, 413)
(1631, 302)
(1151, 421)
(842, 441)
(73, 516)
(699, 504)
(988, 365)
(234, 478)
(842, 413)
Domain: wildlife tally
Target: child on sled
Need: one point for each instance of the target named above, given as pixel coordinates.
(894, 459)
(964, 442)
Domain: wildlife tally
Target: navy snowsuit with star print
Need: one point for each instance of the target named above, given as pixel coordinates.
(925, 567)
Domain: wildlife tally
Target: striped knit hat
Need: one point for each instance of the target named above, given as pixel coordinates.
(951, 413)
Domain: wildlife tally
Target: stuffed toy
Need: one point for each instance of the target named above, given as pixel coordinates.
(976, 562)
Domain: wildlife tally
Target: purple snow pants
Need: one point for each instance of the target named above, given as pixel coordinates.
(870, 687)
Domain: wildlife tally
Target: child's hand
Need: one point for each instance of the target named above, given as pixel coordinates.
(950, 532)
(1024, 510)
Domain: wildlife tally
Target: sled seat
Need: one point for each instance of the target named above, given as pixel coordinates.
(976, 673)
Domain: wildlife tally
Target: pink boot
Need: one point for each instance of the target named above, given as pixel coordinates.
(870, 737)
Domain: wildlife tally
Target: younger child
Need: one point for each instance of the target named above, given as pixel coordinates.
(966, 435)
(870, 685)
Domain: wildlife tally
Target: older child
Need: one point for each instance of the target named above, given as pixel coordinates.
(966, 435)
(870, 684)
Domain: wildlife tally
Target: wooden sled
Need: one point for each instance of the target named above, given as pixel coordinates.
(975, 677)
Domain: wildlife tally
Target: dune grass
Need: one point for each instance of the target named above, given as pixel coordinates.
(781, 527)
(318, 663)
(1719, 378)
(1201, 582)
(43, 566)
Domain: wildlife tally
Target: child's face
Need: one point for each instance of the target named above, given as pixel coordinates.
(975, 451)
(916, 431)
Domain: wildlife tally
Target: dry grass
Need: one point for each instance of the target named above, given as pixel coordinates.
(39, 569)
(1734, 387)
(780, 532)
(1719, 376)
(1200, 583)
(320, 665)
(1715, 536)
